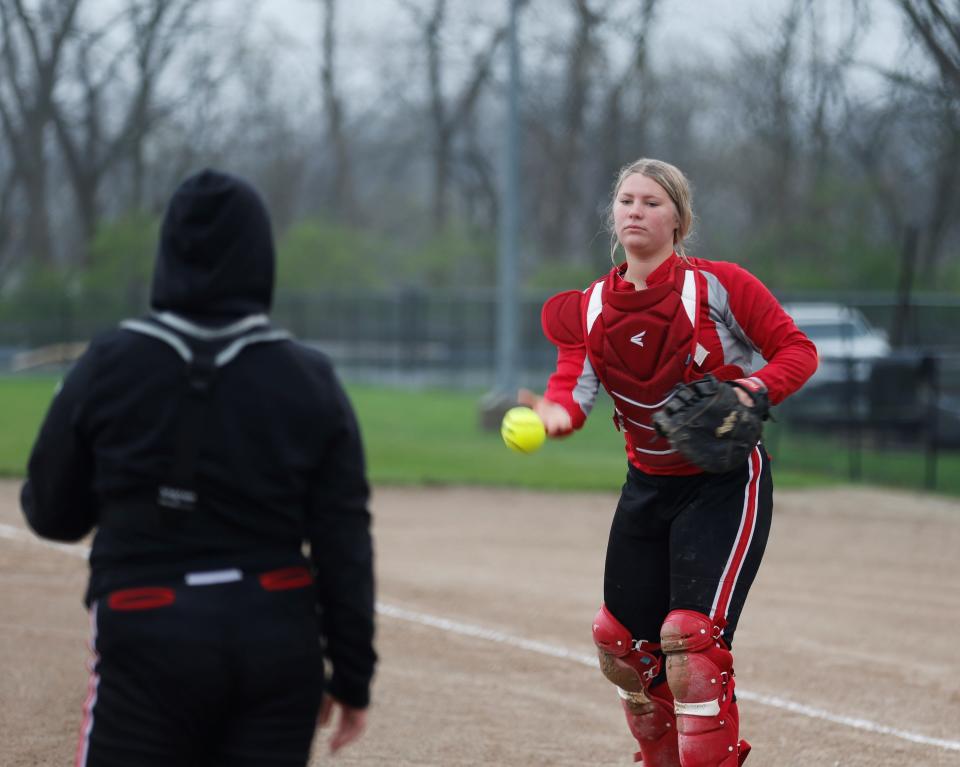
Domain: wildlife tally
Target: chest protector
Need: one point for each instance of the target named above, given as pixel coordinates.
(641, 344)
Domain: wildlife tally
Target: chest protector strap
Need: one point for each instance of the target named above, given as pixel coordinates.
(690, 296)
(204, 351)
(567, 318)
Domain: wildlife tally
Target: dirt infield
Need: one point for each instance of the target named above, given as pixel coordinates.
(846, 653)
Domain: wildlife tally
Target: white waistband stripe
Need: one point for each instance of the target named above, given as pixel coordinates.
(212, 577)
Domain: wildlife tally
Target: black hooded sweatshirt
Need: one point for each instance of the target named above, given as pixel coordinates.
(268, 455)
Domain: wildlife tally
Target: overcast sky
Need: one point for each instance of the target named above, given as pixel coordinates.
(700, 27)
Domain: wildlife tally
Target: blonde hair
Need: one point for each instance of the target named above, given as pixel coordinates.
(677, 187)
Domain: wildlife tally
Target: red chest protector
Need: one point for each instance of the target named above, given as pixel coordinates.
(641, 344)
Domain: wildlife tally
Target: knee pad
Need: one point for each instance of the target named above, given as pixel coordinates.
(627, 662)
(700, 675)
(699, 665)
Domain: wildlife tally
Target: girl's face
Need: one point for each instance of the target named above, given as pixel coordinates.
(644, 217)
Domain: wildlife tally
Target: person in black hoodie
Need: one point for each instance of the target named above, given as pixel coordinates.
(206, 447)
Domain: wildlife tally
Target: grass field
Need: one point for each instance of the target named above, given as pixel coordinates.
(433, 437)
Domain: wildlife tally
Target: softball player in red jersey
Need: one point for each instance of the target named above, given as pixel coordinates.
(684, 545)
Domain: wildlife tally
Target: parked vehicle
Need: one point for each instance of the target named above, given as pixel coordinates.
(847, 343)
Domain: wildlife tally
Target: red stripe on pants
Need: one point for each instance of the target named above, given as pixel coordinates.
(744, 536)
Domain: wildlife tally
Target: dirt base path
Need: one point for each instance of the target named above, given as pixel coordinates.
(846, 652)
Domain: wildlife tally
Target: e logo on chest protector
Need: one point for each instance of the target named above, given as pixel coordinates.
(638, 338)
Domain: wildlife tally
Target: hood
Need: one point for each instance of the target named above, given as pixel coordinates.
(215, 258)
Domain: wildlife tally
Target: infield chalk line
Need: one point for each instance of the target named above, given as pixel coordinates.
(554, 651)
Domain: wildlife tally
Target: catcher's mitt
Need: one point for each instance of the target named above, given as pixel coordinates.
(707, 423)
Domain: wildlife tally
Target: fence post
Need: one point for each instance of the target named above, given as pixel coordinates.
(854, 432)
(931, 371)
(412, 330)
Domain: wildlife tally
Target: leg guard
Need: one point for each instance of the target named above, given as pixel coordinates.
(700, 675)
(631, 665)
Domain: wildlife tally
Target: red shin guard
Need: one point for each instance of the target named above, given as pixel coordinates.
(654, 725)
(700, 675)
(632, 665)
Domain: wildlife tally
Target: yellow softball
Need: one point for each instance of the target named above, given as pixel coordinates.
(522, 430)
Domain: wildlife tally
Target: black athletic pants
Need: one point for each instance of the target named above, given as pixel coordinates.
(692, 543)
(223, 674)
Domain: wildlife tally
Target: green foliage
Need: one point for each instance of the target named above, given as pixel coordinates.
(454, 257)
(805, 255)
(830, 242)
(116, 283)
(948, 278)
(123, 253)
(36, 294)
(48, 304)
(566, 275)
(316, 254)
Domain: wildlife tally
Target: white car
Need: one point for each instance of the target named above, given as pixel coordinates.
(847, 343)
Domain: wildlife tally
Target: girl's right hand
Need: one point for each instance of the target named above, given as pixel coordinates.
(556, 419)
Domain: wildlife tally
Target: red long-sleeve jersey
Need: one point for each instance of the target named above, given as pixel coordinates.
(737, 317)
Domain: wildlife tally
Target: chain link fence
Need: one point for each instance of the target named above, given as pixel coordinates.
(907, 402)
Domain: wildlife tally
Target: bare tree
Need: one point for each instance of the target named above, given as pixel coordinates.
(776, 118)
(344, 203)
(558, 121)
(871, 144)
(449, 116)
(7, 188)
(155, 30)
(32, 49)
(632, 84)
(160, 28)
(827, 83)
(937, 24)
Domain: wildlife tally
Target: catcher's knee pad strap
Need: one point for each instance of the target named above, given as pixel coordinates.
(700, 675)
(652, 722)
(627, 662)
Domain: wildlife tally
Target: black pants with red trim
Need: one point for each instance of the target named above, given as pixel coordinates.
(692, 543)
(226, 674)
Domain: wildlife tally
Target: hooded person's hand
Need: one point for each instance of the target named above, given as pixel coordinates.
(350, 725)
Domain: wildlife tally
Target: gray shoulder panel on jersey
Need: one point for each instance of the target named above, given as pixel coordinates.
(169, 338)
(588, 384)
(737, 348)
